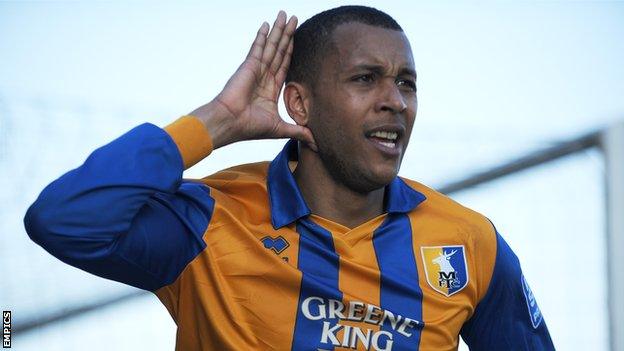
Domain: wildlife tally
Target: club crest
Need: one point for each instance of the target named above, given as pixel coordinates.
(445, 268)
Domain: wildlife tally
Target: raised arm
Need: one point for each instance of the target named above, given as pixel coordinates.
(126, 214)
(247, 106)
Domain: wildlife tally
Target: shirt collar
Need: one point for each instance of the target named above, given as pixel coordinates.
(288, 205)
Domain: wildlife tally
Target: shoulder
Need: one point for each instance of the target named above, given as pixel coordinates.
(237, 177)
(440, 207)
(439, 221)
(236, 188)
(239, 193)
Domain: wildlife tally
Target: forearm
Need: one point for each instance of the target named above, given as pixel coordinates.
(219, 122)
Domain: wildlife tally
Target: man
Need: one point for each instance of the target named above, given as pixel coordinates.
(323, 248)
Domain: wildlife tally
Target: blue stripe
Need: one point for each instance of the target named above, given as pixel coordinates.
(319, 265)
(400, 291)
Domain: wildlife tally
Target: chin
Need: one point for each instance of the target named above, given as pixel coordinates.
(384, 175)
(374, 180)
(360, 176)
(385, 179)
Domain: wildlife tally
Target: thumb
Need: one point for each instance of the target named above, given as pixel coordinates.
(298, 132)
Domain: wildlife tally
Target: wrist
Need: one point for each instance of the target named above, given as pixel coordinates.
(219, 122)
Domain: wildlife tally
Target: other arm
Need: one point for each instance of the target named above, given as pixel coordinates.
(507, 318)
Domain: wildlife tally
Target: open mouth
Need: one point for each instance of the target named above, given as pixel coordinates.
(385, 138)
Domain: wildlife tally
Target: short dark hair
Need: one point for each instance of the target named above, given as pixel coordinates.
(313, 38)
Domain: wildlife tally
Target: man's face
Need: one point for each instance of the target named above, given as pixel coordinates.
(364, 105)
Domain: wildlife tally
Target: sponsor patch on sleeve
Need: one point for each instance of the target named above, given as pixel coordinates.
(534, 312)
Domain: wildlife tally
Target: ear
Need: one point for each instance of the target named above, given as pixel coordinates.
(296, 100)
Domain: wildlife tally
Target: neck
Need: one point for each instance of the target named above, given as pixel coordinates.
(331, 199)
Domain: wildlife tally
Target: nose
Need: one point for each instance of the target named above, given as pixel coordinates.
(390, 98)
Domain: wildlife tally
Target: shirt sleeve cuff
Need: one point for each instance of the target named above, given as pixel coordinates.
(192, 138)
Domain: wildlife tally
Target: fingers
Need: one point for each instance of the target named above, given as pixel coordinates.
(274, 38)
(301, 133)
(284, 42)
(280, 76)
(258, 45)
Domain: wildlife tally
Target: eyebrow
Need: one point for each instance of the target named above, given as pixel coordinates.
(378, 69)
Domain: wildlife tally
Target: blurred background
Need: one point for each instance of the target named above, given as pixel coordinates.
(520, 114)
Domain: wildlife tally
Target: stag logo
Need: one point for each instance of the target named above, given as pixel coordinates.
(447, 275)
(445, 268)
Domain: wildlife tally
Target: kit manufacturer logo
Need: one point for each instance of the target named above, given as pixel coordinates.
(277, 244)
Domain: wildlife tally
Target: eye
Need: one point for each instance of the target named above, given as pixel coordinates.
(410, 84)
(365, 78)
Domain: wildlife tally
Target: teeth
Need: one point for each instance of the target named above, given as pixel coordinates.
(390, 145)
(386, 135)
